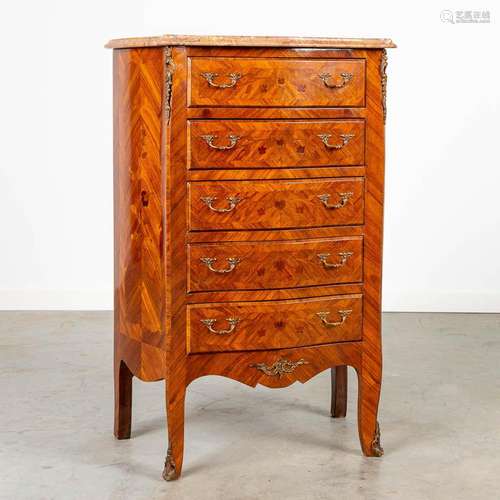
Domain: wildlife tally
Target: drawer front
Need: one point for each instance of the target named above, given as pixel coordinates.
(241, 326)
(274, 144)
(276, 82)
(229, 205)
(261, 265)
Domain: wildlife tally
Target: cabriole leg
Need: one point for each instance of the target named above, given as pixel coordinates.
(175, 397)
(123, 400)
(368, 400)
(339, 392)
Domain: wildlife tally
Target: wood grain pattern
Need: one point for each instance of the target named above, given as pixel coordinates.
(274, 294)
(275, 144)
(275, 204)
(274, 234)
(248, 41)
(248, 113)
(274, 82)
(273, 324)
(266, 265)
(138, 183)
(279, 52)
(162, 229)
(276, 173)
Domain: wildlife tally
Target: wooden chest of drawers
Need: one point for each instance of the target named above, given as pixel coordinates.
(249, 178)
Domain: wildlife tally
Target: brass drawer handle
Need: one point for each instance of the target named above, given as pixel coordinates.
(280, 367)
(233, 322)
(233, 201)
(232, 261)
(343, 316)
(346, 78)
(209, 139)
(345, 140)
(344, 198)
(210, 77)
(323, 257)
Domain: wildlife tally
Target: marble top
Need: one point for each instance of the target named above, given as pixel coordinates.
(251, 41)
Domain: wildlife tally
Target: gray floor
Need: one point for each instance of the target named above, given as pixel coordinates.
(440, 421)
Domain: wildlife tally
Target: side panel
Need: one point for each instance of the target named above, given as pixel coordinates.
(139, 310)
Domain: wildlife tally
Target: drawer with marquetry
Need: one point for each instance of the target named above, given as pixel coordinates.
(275, 143)
(281, 264)
(261, 204)
(260, 82)
(244, 326)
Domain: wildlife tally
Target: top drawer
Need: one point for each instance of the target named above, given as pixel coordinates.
(276, 82)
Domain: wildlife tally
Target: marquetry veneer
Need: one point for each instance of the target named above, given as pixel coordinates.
(275, 204)
(249, 178)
